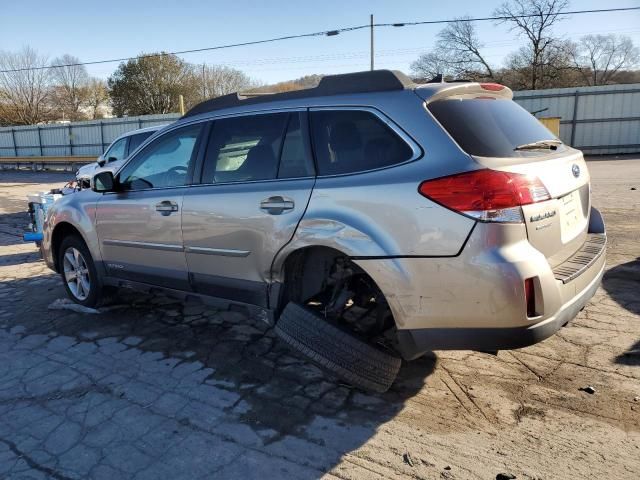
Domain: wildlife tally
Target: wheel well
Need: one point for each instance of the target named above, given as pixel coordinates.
(62, 230)
(326, 279)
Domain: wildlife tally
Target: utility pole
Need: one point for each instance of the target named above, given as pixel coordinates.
(371, 28)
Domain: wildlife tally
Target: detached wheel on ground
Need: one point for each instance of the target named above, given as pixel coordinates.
(355, 361)
(79, 274)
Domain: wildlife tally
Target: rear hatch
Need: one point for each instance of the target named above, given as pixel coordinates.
(500, 135)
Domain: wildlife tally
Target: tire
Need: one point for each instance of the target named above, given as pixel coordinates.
(335, 350)
(95, 295)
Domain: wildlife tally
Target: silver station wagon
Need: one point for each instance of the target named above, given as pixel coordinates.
(367, 220)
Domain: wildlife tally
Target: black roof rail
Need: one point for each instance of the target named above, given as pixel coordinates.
(358, 82)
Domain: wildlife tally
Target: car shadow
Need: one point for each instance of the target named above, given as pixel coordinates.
(631, 357)
(298, 412)
(622, 283)
(12, 227)
(18, 258)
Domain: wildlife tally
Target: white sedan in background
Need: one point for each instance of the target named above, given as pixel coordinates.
(115, 155)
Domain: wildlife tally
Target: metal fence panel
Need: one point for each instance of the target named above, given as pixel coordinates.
(598, 120)
(27, 142)
(90, 137)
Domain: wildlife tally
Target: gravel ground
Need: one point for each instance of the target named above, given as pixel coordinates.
(155, 388)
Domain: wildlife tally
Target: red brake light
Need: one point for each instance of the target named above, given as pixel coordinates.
(494, 87)
(488, 195)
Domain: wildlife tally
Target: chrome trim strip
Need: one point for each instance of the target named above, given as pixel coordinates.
(224, 252)
(591, 250)
(146, 245)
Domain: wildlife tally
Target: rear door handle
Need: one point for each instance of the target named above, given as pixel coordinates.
(276, 205)
(166, 207)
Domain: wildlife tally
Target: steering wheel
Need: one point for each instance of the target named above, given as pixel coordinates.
(174, 175)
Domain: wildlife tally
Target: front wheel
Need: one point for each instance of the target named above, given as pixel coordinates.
(79, 274)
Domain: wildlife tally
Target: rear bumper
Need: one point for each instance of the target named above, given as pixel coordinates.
(476, 300)
(417, 341)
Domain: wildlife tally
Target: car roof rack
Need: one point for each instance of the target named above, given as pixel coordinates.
(357, 82)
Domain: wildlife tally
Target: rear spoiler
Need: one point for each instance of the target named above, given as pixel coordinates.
(463, 90)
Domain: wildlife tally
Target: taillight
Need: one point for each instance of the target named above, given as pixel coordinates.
(486, 195)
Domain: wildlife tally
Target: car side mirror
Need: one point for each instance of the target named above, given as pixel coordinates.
(104, 182)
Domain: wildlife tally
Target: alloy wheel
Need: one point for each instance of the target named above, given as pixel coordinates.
(76, 273)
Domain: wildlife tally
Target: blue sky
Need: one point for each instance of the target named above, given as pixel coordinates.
(94, 30)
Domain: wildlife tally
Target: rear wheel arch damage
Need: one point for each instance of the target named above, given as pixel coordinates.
(333, 313)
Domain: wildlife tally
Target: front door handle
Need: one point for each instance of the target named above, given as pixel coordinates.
(276, 205)
(166, 207)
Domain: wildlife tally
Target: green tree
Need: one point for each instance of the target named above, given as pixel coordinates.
(152, 83)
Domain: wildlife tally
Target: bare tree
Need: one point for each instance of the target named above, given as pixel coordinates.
(534, 20)
(217, 80)
(97, 96)
(24, 87)
(599, 58)
(553, 69)
(430, 65)
(457, 54)
(71, 81)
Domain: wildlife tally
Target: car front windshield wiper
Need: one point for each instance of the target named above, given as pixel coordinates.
(551, 144)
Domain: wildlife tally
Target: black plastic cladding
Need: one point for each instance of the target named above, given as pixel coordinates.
(358, 82)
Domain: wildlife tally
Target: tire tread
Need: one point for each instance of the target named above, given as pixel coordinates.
(355, 361)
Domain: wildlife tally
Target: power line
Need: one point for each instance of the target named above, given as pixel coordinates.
(251, 62)
(328, 33)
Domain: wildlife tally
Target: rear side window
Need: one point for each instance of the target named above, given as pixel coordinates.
(136, 140)
(489, 127)
(348, 141)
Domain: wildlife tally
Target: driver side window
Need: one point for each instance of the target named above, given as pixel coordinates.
(164, 162)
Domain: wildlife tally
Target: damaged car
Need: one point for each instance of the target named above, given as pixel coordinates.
(368, 220)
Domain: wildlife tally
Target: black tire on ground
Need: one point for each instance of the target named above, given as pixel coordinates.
(97, 291)
(335, 350)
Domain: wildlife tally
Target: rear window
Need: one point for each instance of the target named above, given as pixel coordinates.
(490, 127)
(136, 140)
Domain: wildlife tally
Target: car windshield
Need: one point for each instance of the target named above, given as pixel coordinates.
(492, 127)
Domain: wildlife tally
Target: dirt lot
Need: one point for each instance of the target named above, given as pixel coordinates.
(160, 389)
